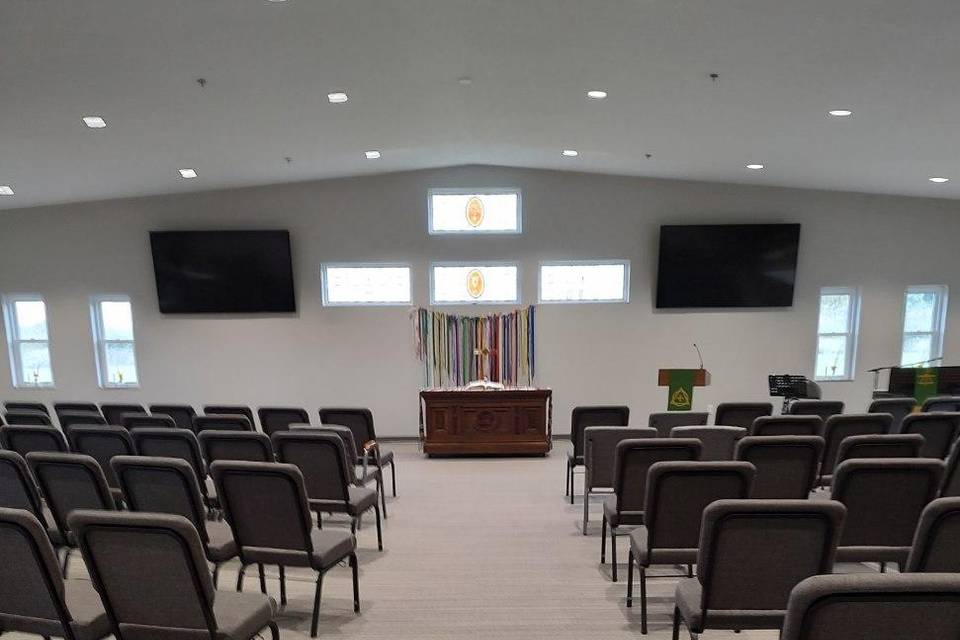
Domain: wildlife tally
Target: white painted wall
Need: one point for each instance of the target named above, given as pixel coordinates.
(364, 356)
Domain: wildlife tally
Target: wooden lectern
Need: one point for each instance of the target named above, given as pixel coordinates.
(680, 383)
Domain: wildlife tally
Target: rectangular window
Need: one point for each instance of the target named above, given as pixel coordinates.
(29, 340)
(462, 283)
(474, 211)
(924, 317)
(360, 285)
(585, 281)
(837, 328)
(112, 318)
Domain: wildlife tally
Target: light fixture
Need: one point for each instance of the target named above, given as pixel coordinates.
(939, 180)
(6, 190)
(840, 113)
(373, 154)
(94, 122)
(570, 153)
(755, 166)
(337, 97)
(596, 94)
(188, 173)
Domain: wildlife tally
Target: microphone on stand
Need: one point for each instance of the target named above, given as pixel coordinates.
(699, 355)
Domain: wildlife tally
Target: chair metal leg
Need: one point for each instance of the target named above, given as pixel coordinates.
(316, 606)
(319, 520)
(586, 509)
(379, 530)
(66, 562)
(283, 586)
(613, 551)
(243, 570)
(689, 570)
(382, 490)
(353, 525)
(274, 631)
(216, 574)
(263, 579)
(676, 623)
(603, 540)
(630, 577)
(572, 484)
(566, 479)
(393, 479)
(354, 566)
(643, 600)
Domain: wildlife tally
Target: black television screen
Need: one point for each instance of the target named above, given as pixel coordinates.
(727, 265)
(223, 271)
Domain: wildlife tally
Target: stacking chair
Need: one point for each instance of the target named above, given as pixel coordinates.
(34, 598)
(131, 421)
(230, 410)
(360, 422)
(882, 446)
(787, 426)
(740, 414)
(837, 428)
(362, 476)
(718, 442)
(266, 506)
(591, 416)
(937, 539)
(70, 419)
(677, 494)
(822, 408)
(182, 414)
(16, 406)
(222, 422)
(664, 422)
(280, 418)
(74, 407)
(941, 403)
(23, 440)
(251, 446)
(884, 498)
(169, 485)
(101, 444)
(113, 413)
(327, 475)
(939, 431)
(181, 444)
(599, 448)
(786, 466)
(631, 462)
(26, 417)
(752, 553)
(899, 408)
(69, 481)
(950, 487)
(177, 599)
(18, 490)
(892, 607)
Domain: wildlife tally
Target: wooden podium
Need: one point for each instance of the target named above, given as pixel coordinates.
(680, 383)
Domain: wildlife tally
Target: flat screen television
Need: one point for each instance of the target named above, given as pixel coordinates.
(223, 271)
(727, 265)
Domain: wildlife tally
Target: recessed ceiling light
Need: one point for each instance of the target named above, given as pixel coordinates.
(840, 113)
(94, 122)
(939, 180)
(755, 166)
(596, 94)
(372, 155)
(337, 97)
(6, 190)
(570, 153)
(188, 173)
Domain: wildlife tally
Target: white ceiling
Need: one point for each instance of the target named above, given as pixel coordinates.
(782, 64)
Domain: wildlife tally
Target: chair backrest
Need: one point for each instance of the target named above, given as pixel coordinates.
(322, 460)
(161, 485)
(595, 416)
(251, 446)
(937, 539)
(15, 406)
(941, 403)
(753, 552)
(132, 421)
(740, 414)
(113, 413)
(164, 593)
(632, 461)
(599, 449)
(230, 410)
(883, 446)
(678, 492)
(358, 420)
(70, 481)
(222, 423)
(27, 417)
(24, 439)
(899, 408)
(838, 427)
(787, 426)
(346, 436)
(101, 444)
(70, 419)
(280, 418)
(664, 422)
(18, 489)
(172, 443)
(822, 408)
(950, 487)
(786, 466)
(884, 498)
(182, 414)
(874, 606)
(73, 407)
(939, 431)
(718, 442)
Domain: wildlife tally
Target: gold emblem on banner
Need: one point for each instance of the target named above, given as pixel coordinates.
(474, 211)
(680, 398)
(475, 283)
(926, 378)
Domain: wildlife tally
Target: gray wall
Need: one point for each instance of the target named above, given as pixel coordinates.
(364, 356)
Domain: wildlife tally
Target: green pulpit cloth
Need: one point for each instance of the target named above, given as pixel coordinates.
(925, 384)
(680, 390)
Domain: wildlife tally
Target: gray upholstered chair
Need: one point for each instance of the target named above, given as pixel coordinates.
(266, 506)
(113, 413)
(822, 408)
(18, 490)
(182, 414)
(27, 417)
(360, 422)
(752, 553)
(69, 481)
(718, 442)
(102, 443)
(327, 475)
(132, 421)
(179, 599)
(786, 466)
(274, 419)
(590, 416)
(740, 414)
(17, 405)
(892, 607)
(182, 444)
(34, 598)
(941, 403)
(664, 422)
(677, 494)
(837, 428)
(599, 448)
(937, 539)
(631, 461)
(884, 498)
(787, 426)
(169, 485)
(24, 439)
(230, 410)
(222, 422)
(74, 407)
(362, 474)
(939, 431)
(70, 419)
(950, 487)
(890, 445)
(899, 408)
(251, 446)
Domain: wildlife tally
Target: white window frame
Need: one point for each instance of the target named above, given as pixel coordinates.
(625, 296)
(363, 265)
(476, 263)
(14, 341)
(851, 334)
(482, 191)
(941, 291)
(100, 343)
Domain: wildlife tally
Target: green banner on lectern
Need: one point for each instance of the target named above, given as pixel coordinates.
(680, 390)
(925, 384)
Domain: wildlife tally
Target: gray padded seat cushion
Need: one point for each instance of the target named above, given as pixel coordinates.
(221, 546)
(241, 615)
(329, 547)
(641, 551)
(361, 499)
(83, 602)
(689, 596)
(623, 518)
